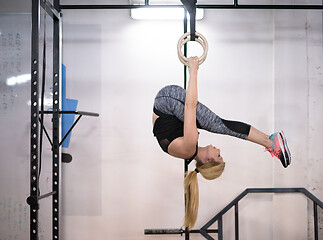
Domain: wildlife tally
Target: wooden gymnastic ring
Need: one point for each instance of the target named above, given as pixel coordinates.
(184, 39)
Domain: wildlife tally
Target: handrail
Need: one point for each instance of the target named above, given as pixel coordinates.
(218, 217)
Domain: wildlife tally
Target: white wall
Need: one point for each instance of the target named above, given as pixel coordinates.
(15, 44)
(298, 108)
(263, 67)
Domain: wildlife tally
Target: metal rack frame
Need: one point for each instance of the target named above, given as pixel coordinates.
(37, 117)
(34, 198)
(54, 11)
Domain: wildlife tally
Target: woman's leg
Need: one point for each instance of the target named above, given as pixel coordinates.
(171, 99)
(259, 137)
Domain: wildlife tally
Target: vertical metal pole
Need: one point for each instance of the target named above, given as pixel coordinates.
(187, 234)
(34, 126)
(186, 162)
(185, 48)
(220, 228)
(316, 232)
(55, 123)
(236, 220)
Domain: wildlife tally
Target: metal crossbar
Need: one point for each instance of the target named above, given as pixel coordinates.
(208, 6)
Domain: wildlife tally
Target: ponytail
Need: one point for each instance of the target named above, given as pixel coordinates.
(209, 171)
(191, 189)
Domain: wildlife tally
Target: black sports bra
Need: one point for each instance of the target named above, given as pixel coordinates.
(167, 128)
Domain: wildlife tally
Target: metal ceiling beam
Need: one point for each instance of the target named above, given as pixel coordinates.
(204, 6)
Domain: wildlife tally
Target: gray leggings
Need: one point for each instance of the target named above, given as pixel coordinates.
(171, 100)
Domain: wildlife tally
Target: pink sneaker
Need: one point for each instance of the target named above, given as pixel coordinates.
(280, 148)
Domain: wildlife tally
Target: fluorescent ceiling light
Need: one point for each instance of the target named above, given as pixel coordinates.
(163, 13)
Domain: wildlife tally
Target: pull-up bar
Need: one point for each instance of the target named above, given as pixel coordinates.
(191, 5)
(204, 6)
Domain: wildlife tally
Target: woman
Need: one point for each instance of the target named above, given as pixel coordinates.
(177, 115)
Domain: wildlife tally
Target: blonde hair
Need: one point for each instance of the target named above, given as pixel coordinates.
(209, 171)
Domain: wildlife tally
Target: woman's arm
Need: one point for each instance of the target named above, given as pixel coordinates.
(190, 129)
(185, 146)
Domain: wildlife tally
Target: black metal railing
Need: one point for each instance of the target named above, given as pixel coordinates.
(235, 204)
(205, 231)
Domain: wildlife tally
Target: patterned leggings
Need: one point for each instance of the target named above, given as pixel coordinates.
(171, 100)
